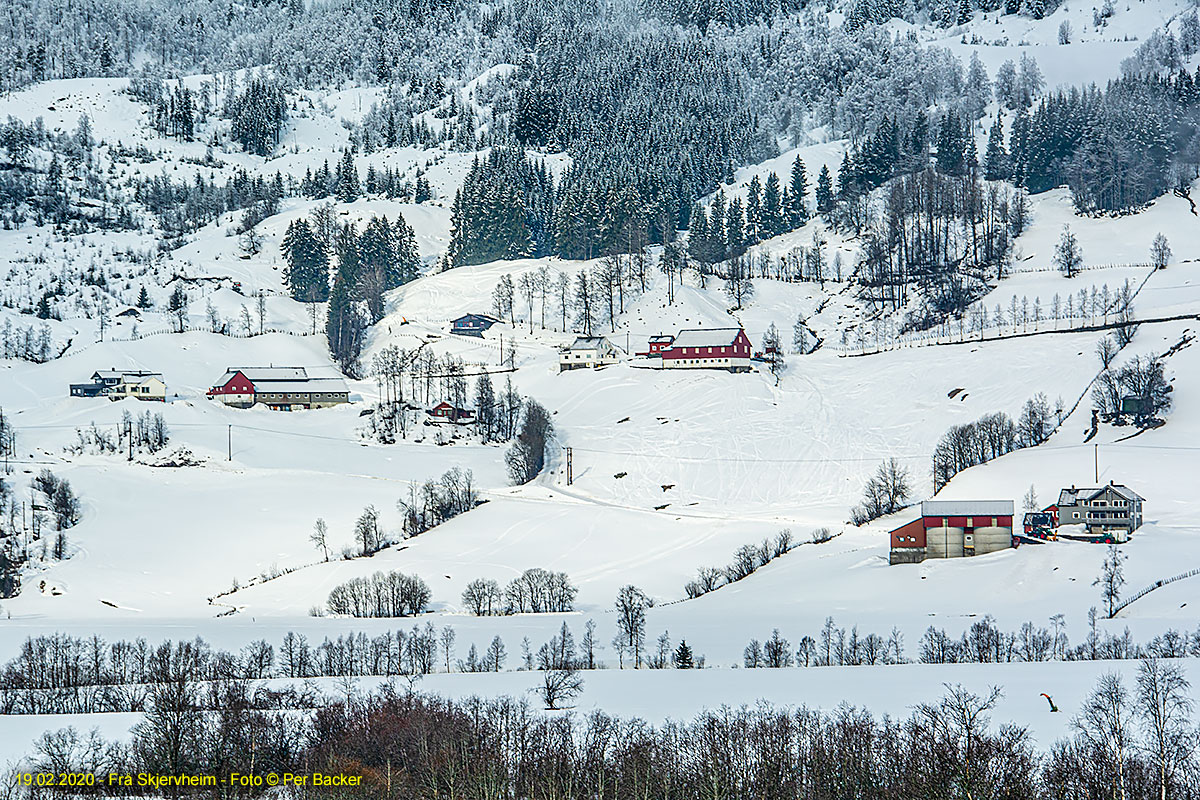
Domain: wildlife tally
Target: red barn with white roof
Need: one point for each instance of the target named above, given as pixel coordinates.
(711, 348)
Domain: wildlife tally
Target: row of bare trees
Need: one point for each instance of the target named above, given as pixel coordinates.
(1125, 742)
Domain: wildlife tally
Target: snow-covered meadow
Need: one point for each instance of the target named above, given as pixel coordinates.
(672, 471)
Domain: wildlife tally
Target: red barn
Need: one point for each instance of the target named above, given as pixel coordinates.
(279, 388)
(952, 529)
(712, 348)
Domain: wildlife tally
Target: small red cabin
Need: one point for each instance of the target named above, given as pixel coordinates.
(451, 413)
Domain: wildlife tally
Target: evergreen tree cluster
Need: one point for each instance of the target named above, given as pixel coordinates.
(48, 39)
(652, 122)
(175, 114)
(396, 120)
(186, 206)
(726, 228)
(257, 115)
(1117, 148)
(504, 209)
(385, 182)
(364, 266)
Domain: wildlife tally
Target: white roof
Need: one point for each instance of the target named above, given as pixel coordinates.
(589, 343)
(256, 374)
(304, 386)
(706, 337)
(1069, 497)
(126, 374)
(967, 508)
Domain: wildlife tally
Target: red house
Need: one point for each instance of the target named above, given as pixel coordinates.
(657, 344)
(711, 348)
(450, 413)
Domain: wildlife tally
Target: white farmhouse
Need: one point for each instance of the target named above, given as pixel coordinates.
(587, 351)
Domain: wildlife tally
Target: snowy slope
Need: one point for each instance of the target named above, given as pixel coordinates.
(673, 471)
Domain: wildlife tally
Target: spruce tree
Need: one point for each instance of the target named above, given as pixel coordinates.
(717, 247)
(797, 190)
(344, 327)
(754, 233)
(307, 272)
(824, 191)
(347, 178)
(683, 656)
(772, 210)
(735, 228)
(996, 163)
(698, 239)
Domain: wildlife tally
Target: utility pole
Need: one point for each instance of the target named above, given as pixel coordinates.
(570, 467)
(1096, 451)
(230, 457)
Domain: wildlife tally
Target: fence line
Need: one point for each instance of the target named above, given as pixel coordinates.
(923, 339)
(1156, 585)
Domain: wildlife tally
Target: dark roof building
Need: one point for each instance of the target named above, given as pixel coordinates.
(1112, 511)
(472, 324)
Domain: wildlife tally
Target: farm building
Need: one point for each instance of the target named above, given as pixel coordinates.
(587, 351)
(712, 348)
(116, 384)
(657, 344)
(1108, 511)
(448, 412)
(953, 529)
(1046, 520)
(278, 388)
(472, 324)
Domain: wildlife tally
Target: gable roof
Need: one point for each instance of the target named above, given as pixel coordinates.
(485, 317)
(144, 377)
(1072, 496)
(589, 343)
(706, 337)
(257, 374)
(967, 508)
(335, 385)
(125, 375)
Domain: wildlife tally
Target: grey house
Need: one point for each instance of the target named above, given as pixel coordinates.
(1113, 510)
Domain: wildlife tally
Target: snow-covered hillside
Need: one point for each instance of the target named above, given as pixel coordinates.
(652, 474)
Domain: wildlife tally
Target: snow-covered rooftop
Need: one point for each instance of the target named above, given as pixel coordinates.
(267, 373)
(304, 386)
(960, 508)
(706, 337)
